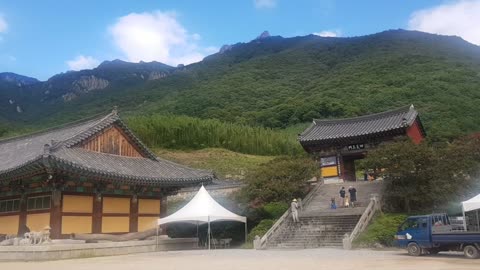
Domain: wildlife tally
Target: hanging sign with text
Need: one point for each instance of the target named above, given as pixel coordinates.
(357, 146)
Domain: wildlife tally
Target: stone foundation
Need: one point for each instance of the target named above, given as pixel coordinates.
(75, 250)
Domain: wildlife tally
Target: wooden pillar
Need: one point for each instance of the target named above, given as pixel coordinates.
(97, 214)
(163, 206)
(163, 212)
(341, 171)
(134, 214)
(22, 224)
(56, 215)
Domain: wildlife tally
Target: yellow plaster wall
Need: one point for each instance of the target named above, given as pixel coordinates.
(115, 224)
(77, 204)
(9, 224)
(77, 224)
(148, 206)
(113, 205)
(37, 222)
(146, 223)
(329, 171)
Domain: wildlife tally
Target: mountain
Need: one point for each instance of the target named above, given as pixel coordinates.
(17, 79)
(279, 82)
(26, 100)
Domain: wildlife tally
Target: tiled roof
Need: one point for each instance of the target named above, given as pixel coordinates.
(327, 131)
(27, 154)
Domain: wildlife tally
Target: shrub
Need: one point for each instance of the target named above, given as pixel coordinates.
(275, 210)
(381, 230)
(260, 229)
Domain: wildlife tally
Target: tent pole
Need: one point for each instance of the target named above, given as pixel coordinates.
(198, 239)
(246, 231)
(156, 239)
(209, 234)
(464, 220)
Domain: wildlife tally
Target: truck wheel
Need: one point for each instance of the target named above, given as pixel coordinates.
(414, 249)
(471, 252)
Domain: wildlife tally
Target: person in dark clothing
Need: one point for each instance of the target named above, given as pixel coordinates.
(342, 196)
(353, 195)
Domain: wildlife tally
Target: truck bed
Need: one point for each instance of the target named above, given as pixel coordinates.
(456, 237)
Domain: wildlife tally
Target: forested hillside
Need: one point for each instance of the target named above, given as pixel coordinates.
(279, 82)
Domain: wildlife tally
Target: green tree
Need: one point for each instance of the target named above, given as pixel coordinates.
(279, 180)
(424, 177)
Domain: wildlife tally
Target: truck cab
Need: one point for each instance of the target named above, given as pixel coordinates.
(414, 229)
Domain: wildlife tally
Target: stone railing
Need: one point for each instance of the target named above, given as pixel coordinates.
(363, 222)
(262, 243)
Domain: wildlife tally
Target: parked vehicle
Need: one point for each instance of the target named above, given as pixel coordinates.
(431, 234)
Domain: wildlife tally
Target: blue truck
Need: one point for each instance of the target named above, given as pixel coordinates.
(430, 234)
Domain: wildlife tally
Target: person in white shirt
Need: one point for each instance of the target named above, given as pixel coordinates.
(294, 209)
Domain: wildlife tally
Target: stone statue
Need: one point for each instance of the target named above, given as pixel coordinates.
(38, 238)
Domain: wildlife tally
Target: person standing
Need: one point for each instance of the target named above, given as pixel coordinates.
(294, 209)
(342, 196)
(300, 205)
(353, 195)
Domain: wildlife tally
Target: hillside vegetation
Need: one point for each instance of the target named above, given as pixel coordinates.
(279, 82)
(226, 164)
(182, 132)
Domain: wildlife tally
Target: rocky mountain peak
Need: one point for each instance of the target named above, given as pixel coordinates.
(113, 63)
(263, 35)
(225, 48)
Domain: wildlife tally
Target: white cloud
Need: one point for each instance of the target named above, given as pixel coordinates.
(3, 24)
(265, 3)
(329, 33)
(156, 36)
(196, 36)
(460, 18)
(82, 62)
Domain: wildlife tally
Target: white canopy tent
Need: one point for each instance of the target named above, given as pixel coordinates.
(471, 205)
(203, 209)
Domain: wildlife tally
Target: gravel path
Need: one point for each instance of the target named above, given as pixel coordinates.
(236, 259)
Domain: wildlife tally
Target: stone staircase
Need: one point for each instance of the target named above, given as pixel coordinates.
(319, 225)
(314, 232)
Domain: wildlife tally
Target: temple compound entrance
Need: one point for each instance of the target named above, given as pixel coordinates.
(338, 143)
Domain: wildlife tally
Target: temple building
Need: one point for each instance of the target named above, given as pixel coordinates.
(93, 176)
(337, 143)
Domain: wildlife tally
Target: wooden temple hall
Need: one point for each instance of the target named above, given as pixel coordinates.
(93, 176)
(338, 143)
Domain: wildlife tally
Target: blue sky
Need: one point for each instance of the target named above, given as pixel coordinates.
(42, 38)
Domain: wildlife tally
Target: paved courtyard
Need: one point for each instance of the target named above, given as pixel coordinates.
(336, 259)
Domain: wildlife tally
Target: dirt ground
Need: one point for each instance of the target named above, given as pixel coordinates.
(334, 259)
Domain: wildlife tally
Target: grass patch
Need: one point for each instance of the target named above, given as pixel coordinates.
(381, 230)
(225, 163)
